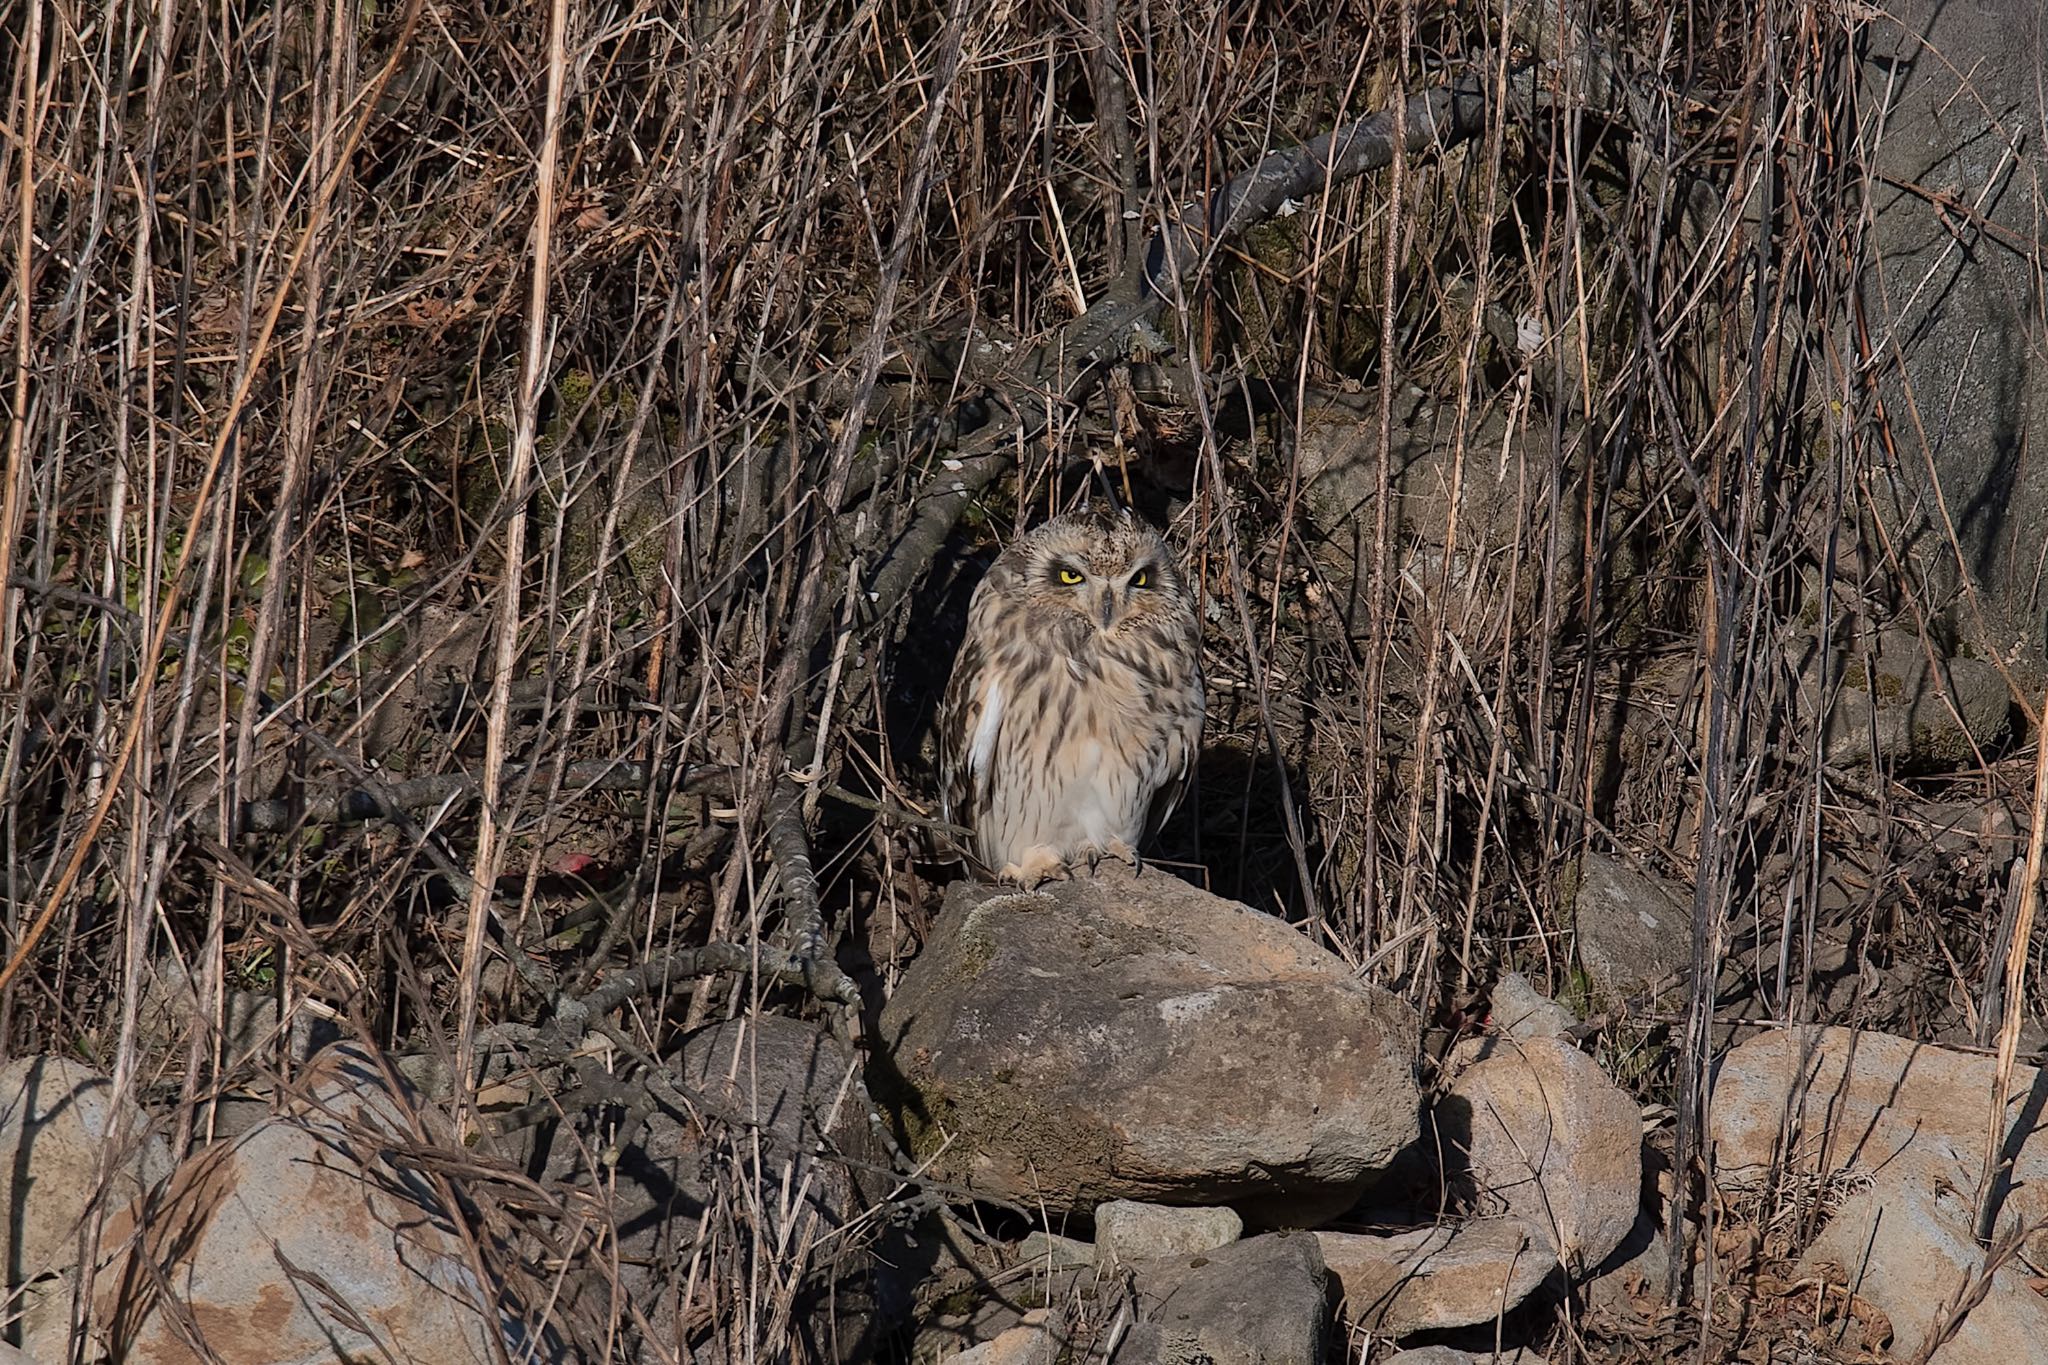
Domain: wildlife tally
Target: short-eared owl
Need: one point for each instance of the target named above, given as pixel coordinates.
(1075, 706)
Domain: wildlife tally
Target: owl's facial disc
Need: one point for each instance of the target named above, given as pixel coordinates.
(1120, 594)
(1094, 596)
(1103, 585)
(1109, 598)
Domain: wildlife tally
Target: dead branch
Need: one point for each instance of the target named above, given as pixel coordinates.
(792, 854)
(372, 800)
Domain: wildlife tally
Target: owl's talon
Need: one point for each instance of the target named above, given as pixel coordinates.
(1040, 864)
(1124, 853)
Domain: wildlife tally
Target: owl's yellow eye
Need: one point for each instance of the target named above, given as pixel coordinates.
(1142, 579)
(1070, 578)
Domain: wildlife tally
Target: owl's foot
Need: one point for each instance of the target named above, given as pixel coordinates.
(1040, 863)
(1117, 849)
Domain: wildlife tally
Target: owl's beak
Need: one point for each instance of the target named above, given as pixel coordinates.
(1106, 607)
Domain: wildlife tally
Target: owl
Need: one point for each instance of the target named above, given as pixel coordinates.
(1075, 706)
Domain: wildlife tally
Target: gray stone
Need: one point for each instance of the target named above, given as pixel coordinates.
(1126, 1230)
(1863, 1106)
(376, 1267)
(1634, 1275)
(1447, 1355)
(1521, 1011)
(1907, 1248)
(784, 1090)
(985, 1318)
(1261, 1301)
(1985, 832)
(1549, 1138)
(1053, 1252)
(1634, 931)
(56, 1119)
(1131, 1036)
(1954, 100)
(1457, 1275)
(1336, 451)
(171, 1009)
(969, 1294)
(1887, 696)
(236, 1113)
(1038, 1340)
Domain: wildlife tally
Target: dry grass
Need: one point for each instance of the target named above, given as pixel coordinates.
(521, 421)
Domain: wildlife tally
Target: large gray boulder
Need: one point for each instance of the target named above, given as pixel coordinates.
(57, 1122)
(1133, 1037)
(1908, 1249)
(1850, 1106)
(1889, 1132)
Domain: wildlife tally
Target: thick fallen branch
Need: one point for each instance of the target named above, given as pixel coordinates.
(824, 980)
(791, 850)
(384, 800)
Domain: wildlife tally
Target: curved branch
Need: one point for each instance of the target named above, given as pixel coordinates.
(824, 980)
(1440, 117)
(1064, 367)
(790, 848)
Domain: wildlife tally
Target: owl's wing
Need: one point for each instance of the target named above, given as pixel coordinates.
(1184, 740)
(970, 717)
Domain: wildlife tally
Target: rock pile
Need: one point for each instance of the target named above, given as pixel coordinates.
(1130, 1051)
(1211, 1130)
(303, 1237)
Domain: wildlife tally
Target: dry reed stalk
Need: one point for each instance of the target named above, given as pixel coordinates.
(510, 619)
(1991, 1178)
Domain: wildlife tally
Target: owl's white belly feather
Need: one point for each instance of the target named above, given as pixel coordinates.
(983, 752)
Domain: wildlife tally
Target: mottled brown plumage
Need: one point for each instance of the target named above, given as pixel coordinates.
(1075, 706)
